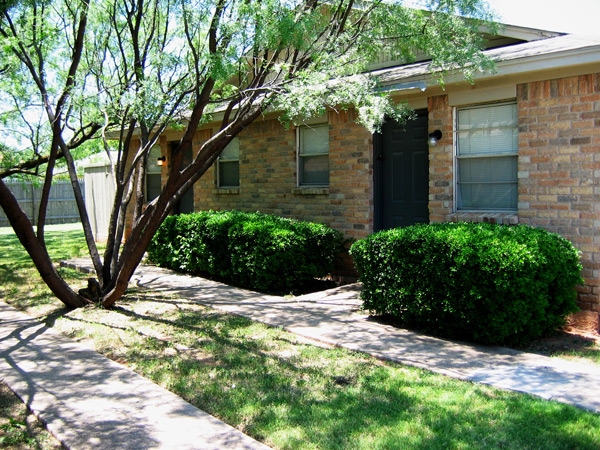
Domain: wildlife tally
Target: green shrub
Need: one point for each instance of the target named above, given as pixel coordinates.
(254, 250)
(487, 283)
(161, 250)
(277, 254)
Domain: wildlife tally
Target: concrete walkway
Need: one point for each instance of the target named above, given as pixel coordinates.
(334, 317)
(89, 401)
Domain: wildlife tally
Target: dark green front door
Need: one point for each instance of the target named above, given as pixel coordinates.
(185, 204)
(402, 174)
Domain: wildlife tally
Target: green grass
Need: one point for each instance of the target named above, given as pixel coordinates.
(293, 394)
(588, 353)
(18, 277)
(19, 429)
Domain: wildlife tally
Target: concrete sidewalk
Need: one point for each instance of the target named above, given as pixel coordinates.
(88, 401)
(334, 317)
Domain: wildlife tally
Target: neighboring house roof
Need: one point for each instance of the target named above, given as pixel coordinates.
(542, 54)
(97, 160)
(509, 35)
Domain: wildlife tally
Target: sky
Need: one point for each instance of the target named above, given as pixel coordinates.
(571, 16)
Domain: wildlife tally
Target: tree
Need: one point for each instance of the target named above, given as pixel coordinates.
(79, 70)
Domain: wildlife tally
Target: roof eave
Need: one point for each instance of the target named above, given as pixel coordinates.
(571, 58)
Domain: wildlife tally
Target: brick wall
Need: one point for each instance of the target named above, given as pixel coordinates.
(268, 177)
(441, 160)
(559, 167)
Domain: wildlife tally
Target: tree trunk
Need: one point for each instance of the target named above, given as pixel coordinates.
(133, 252)
(38, 253)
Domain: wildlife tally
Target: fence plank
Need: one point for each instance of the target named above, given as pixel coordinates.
(99, 194)
(62, 207)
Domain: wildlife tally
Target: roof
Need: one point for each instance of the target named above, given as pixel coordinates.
(557, 51)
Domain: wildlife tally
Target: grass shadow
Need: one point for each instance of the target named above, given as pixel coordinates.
(294, 395)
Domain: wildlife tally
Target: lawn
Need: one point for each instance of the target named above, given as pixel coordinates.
(19, 429)
(285, 391)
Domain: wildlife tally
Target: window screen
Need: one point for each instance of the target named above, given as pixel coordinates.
(228, 165)
(313, 155)
(487, 149)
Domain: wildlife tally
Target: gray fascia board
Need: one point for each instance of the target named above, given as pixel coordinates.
(523, 33)
(568, 58)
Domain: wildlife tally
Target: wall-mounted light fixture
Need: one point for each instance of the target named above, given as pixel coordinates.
(434, 138)
(162, 160)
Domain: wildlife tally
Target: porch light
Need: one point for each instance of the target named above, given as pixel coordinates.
(434, 138)
(162, 160)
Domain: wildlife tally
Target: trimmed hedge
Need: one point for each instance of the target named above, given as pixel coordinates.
(487, 283)
(253, 250)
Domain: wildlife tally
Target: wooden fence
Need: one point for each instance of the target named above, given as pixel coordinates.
(61, 205)
(99, 197)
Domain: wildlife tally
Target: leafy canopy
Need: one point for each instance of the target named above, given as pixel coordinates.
(147, 61)
(125, 71)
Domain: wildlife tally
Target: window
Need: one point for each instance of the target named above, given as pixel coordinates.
(487, 150)
(228, 165)
(313, 155)
(153, 177)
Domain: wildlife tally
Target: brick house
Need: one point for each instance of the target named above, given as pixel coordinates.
(521, 145)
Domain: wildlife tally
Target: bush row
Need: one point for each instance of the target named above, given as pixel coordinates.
(487, 283)
(253, 250)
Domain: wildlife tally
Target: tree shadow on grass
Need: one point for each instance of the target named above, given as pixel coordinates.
(9, 275)
(293, 397)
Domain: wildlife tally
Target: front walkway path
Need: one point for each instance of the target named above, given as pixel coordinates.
(334, 317)
(88, 401)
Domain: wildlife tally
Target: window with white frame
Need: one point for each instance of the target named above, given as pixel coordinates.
(486, 157)
(228, 166)
(153, 174)
(313, 155)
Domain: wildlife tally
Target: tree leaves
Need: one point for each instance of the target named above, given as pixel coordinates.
(75, 71)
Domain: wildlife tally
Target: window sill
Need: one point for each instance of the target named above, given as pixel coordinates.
(506, 218)
(311, 191)
(226, 191)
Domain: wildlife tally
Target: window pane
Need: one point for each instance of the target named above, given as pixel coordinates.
(490, 116)
(498, 169)
(314, 170)
(152, 161)
(487, 182)
(229, 173)
(314, 140)
(228, 165)
(488, 129)
(232, 151)
(153, 186)
(313, 156)
(479, 196)
(490, 141)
